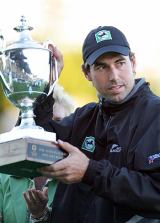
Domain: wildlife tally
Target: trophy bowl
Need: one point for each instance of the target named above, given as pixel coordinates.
(28, 73)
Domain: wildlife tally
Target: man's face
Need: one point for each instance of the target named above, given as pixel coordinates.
(113, 76)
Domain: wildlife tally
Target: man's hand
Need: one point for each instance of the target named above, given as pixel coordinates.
(69, 170)
(36, 201)
(57, 55)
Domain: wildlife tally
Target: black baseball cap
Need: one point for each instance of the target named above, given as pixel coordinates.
(104, 39)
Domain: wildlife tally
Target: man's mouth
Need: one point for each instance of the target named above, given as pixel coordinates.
(115, 88)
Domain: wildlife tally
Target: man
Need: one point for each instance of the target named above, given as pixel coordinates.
(112, 171)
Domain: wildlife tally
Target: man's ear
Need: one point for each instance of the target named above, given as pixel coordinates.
(134, 64)
(86, 71)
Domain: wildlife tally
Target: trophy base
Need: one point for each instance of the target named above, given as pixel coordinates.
(36, 133)
(22, 156)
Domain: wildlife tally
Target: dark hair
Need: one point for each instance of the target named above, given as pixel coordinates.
(86, 67)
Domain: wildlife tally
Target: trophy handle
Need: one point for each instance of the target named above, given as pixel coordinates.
(54, 64)
(56, 77)
(4, 84)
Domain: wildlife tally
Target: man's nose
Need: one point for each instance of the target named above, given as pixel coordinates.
(114, 74)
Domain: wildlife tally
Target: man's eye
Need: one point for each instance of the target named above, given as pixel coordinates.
(100, 67)
(121, 63)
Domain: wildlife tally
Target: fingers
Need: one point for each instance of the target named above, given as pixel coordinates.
(60, 165)
(36, 201)
(35, 196)
(54, 169)
(70, 169)
(67, 146)
(55, 52)
(26, 198)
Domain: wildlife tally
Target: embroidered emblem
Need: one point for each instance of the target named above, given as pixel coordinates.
(103, 35)
(89, 144)
(115, 148)
(153, 157)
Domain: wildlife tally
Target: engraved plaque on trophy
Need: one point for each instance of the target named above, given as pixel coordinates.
(27, 71)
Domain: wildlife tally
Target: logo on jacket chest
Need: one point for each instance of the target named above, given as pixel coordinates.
(115, 148)
(153, 157)
(89, 144)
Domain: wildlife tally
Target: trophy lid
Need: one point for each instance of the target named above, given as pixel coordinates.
(24, 38)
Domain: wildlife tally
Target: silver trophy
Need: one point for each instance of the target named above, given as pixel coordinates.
(27, 72)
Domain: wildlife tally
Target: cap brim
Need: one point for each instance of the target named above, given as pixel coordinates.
(117, 49)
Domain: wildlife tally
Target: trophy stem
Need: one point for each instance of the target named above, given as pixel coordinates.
(27, 120)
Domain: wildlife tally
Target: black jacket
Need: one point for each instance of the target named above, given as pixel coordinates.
(123, 177)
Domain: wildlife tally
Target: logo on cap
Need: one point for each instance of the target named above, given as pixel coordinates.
(103, 35)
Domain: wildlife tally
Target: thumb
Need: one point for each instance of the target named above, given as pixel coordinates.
(45, 190)
(67, 146)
